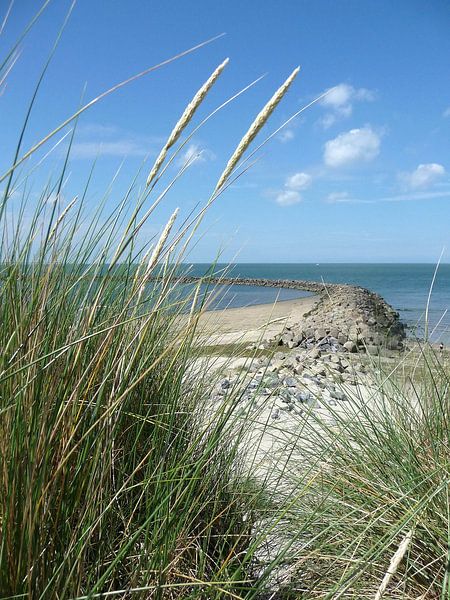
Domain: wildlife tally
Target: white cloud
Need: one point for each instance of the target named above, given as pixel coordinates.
(364, 95)
(298, 181)
(194, 153)
(286, 135)
(288, 197)
(339, 101)
(423, 177)
(342, 197)
(328, 120)
(292, 187)
(336, 197)
(446, 113)
(353, 146)
(338, 96)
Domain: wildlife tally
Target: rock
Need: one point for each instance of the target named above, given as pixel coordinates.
(304, 397)
(290, 362)
(336, 367)
(308, 333)
(350, 346)
(319, 334)
(271, 382)
(338, 395)
(318, 369)
(286, 338)
(334, 332)
(314, 353)
(342, 339)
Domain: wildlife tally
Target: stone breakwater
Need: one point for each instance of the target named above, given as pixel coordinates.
(346, 317)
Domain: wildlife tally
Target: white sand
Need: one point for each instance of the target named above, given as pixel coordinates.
(253, 323)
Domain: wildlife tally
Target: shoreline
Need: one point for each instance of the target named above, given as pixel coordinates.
(245, 321)
(351, 317)
(257, 322)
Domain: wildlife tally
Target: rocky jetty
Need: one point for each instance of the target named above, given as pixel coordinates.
(348, 318)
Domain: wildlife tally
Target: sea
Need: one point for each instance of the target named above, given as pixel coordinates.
(406, 287)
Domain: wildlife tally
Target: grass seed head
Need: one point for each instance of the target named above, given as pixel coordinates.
(162, 240)
(184, 119)
(255, 127)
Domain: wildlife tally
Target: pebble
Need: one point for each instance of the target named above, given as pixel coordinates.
(293, 380)
(338, 395)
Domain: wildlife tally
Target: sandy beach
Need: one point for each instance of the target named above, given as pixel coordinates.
(255, 323)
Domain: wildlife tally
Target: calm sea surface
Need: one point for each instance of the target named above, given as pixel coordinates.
(404, 286)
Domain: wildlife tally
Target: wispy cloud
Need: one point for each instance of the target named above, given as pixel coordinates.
(356, 145)
(288, 197)
(339, 102)
(195, 153)
(345, 197)
(336, 197)
(293, 185)
(286, 135)
(423, 177)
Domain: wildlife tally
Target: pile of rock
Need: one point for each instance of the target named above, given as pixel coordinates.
(347, 318)
(292, 381)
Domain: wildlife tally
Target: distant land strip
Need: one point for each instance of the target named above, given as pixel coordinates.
(293, 284)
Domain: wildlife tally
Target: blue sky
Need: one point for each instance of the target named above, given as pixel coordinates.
(362, 175)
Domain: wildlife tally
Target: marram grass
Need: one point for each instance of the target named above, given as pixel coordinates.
(379, 513)
(109, 484)
(112, 484)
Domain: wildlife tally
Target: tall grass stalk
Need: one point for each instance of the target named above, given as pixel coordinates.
(384, 471)
(111, 484)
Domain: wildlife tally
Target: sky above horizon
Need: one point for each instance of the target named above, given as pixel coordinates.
(362, 175)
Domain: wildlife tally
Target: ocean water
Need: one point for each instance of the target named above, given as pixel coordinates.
(404, 286)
